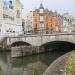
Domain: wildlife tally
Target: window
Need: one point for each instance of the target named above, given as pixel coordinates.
(11, 18)
(64, 18)
(5, 6)
(51, 25)
(18, 14)
(10, 2)
(47, 29)
(42, 27)
(46, 32)
(41, 18)
(35, 29)
(57, 28)
(47, 26)
(9, 40)
(36, 26)
(68, 20)
(10, 5)
(7, 16)
(41, 10)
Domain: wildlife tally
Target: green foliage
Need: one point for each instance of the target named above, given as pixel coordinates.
(70, 65)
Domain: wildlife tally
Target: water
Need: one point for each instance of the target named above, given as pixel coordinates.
(30, 65)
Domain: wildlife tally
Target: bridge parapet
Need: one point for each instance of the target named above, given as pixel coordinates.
(38, 40)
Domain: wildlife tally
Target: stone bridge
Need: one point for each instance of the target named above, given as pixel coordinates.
(39, 39)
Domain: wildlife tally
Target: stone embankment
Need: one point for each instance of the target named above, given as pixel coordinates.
(58, 66)
(19, 51)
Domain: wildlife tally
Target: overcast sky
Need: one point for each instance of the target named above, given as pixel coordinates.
(61, 6)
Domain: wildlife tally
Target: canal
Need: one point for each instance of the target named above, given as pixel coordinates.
(29, 65)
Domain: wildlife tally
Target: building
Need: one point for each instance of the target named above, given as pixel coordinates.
(67, 22)
(28, 28)
(1, 16)
(23, 24)
(73, 25)
(42, 20)
(10, 18)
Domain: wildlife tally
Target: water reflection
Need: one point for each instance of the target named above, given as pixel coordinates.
(31, 65)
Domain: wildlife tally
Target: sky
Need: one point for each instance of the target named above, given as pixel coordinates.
(61, 6)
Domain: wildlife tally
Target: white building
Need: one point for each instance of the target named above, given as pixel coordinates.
(73, 25)
(67, 23)
(10, 18)
(28, 22)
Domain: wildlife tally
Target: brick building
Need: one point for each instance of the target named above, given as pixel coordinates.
(43, 21)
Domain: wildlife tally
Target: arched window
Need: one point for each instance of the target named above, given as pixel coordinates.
(11, 4)
(18, 14)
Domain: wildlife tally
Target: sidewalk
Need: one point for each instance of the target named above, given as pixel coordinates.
(58, 66)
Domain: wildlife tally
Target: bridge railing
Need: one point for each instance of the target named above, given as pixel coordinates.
(26, 35)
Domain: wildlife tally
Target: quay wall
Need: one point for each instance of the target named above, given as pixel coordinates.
(20, 51)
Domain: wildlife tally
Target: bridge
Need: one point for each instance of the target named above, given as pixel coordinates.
(38, 39)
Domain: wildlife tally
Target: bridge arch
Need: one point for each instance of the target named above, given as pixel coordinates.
(58, 46)
(20, 43)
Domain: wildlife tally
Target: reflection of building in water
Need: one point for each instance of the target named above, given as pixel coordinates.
(37, 68)
(10, 17)
(34, 66)
(27, 65)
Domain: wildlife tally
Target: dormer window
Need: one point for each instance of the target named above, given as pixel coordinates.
(41, 10)
(10, 4)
